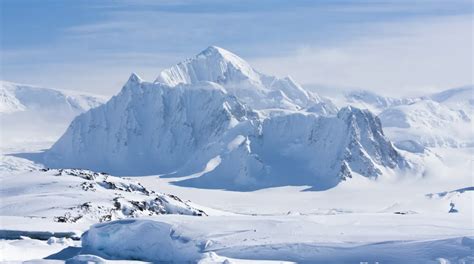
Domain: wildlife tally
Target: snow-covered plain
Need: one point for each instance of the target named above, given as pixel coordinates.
(421, 212)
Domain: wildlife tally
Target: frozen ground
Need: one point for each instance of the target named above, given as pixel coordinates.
(389, 221)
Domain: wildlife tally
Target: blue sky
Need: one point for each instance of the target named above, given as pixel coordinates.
(93, 46)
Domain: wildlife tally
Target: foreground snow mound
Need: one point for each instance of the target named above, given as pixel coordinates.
(71, 195)
(146, 240)
(254, 238)
(238, 78)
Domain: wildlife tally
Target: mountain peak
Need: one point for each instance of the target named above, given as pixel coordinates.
(134, 78)
(238, 78)
(223, 54)
(213, 64)
(214, 50)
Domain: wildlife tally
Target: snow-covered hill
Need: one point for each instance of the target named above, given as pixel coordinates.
(81, 196)
(195, 119)
(30, 113)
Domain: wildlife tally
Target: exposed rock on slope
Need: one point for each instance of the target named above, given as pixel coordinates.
(304, 149)
(72, 195)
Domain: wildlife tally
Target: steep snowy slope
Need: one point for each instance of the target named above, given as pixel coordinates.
(304, 149)
(255, 89)
(153, 128)
(30, 113)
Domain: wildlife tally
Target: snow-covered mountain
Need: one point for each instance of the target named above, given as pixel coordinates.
(238, 78)
(442, 119)
(375, 102)
(185, 124)
(461, 98)
(35, 113)
(428, 123)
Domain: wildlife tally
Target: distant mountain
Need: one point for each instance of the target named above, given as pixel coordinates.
(461, 98)
(20, 97)
(375, 102)
(41, 113)
(195, 124)
(441, 119)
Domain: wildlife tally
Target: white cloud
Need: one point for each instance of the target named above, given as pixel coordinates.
(402, 58)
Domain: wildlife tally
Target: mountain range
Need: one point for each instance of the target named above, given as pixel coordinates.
(441, 119)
